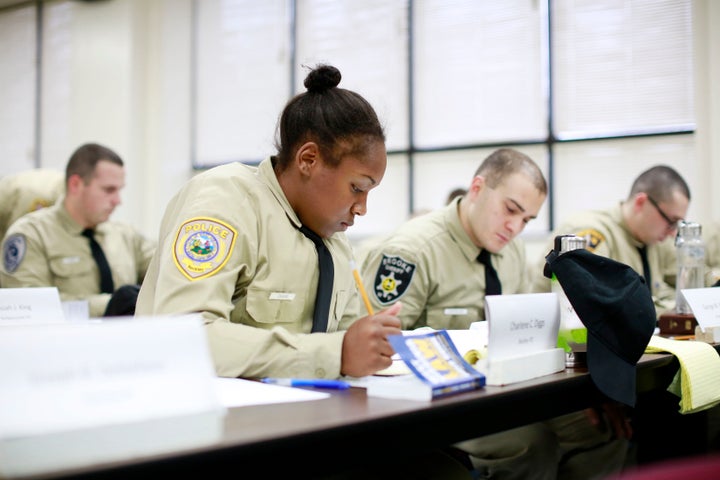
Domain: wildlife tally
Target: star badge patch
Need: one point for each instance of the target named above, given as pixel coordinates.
(393, 278)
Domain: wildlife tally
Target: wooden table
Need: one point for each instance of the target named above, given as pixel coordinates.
(350, 428)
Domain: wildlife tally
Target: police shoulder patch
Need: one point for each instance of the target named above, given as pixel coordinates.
(393, 278)
(14, 251)
(39, 204)
(203, 246)
(594, 238)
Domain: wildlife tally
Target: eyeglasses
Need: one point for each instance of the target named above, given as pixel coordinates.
(671, 224)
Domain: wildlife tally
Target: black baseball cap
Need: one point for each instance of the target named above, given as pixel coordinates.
(616, 306)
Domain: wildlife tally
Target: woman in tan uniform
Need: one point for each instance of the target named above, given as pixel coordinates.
(238, 243)
(261, 252)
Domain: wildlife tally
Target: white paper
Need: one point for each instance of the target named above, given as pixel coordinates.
(474, 338)
(72, 376)
(705, 305)
(30, 305)
(237, 392)
(403, 387)
(521, 323)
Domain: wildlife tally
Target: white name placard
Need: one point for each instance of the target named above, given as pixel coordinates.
(76, 310)
(76, 375)
(30, 305)
(705, 305)
(521, 323)
(42, 454)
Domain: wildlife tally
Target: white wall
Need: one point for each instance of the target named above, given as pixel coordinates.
(707, 74)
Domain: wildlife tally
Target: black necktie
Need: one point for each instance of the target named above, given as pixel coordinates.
(646, 266)
(325, 283)
(106, 281)
(492, 282)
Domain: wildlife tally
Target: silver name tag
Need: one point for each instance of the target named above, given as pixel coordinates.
(282, 296)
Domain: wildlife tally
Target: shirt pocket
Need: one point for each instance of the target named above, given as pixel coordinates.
(267, 306)
(71, 272)
(453, 318)
(341, 299)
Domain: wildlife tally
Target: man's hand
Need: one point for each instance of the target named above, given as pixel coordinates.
(616, 416)
(365, 347)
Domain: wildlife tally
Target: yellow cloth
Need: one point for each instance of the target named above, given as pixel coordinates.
(697, 383)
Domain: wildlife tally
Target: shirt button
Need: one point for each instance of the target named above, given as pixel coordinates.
(320, 373)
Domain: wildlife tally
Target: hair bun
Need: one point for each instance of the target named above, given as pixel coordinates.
(321, 78)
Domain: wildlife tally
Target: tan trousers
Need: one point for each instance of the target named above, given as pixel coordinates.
(563, 448)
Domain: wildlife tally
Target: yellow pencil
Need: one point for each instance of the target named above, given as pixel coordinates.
(360, 286)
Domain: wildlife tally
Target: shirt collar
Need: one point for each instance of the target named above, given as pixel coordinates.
(451, 216)
(66, 221)
(617, 216)
(266, 173)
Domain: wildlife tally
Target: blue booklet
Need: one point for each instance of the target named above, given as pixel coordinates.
(434, 359)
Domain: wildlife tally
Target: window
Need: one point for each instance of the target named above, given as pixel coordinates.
(18, 77)
(570, 83)
(592, 91)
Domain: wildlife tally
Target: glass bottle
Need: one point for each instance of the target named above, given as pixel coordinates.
(690, 263)
(572, 335)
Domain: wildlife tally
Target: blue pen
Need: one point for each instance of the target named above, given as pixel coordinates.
(308, 382)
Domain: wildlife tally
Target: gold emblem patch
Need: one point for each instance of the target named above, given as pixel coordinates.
(203, 246)
(593, 237)
(39, 203)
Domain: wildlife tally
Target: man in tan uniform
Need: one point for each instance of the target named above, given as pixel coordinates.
(27, 191)
(658, 199)
(433, 265)
(47, 247)
(430, 263)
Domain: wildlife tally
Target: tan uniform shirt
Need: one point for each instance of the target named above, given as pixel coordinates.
(609, 236)
(231, 248)
(27, 191)
(668, 259)
(46, 248)
(430, 265)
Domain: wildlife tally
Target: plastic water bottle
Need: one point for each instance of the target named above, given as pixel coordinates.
(690, 262)
(572, 335)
